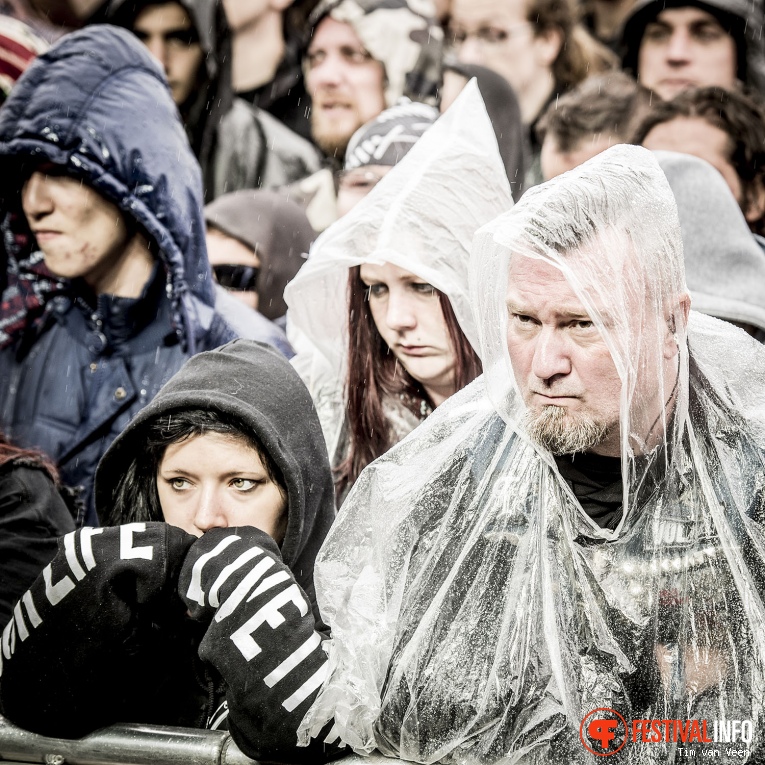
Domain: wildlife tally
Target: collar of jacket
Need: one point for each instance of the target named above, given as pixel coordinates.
(112, 322)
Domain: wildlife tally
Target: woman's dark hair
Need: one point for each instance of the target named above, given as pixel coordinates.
(374, 372)
(30, 457)
(135, 496)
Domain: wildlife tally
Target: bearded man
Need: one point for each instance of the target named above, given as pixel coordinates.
(363, 57)
(580, 528)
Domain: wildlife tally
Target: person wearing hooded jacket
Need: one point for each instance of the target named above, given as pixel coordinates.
(361, 57)
(672, 45)
(215, 501)
(257, 241)
(237, 144)
(379, 314)
(109, 289)
(724, 263)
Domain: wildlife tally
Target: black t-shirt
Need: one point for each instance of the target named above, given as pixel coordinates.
(597, 483)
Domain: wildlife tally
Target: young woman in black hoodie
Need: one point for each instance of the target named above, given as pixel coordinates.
(195, 604)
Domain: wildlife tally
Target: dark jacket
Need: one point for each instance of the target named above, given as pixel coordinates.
(74, 369)
(742, 19)
(132, 654)
(238, 145)
(32, 517)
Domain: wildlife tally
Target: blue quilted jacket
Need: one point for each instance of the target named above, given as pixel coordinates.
(74, 369)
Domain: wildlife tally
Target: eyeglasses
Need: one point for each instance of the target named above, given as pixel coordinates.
(486, 36)
(238, 278)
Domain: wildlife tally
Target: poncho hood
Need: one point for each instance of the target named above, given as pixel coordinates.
(724, 265)
(256, 385)
(505, 114)
(97, 104)
(402, 35)
(416, 218)
(479, 614)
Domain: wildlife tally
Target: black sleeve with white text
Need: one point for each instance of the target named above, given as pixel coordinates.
(93, 641)
(262, 639)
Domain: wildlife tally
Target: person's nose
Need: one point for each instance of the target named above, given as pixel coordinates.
(400, 315)
(209, 512)
(327, 74)
(678, 48)
(551, 357)
(36, 200)
(158, 49)
(471, 51)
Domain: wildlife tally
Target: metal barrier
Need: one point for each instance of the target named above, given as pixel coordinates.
(136, 745)
(122, 745)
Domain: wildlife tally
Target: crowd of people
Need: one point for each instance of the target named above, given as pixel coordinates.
(383, 375)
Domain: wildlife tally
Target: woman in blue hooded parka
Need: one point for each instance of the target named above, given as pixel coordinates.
(109, 288)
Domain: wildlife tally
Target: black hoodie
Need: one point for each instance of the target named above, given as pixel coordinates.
(103, 636)
(742, 19)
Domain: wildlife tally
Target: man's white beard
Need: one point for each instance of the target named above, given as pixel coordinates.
(554, 428)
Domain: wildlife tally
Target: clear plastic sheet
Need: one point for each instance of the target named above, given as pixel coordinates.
(417, 218)
(478, 613)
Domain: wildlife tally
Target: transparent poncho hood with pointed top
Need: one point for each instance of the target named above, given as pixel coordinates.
(421, 217)
(478, 612)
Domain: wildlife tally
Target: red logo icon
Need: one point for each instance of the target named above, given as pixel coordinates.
(603, 731)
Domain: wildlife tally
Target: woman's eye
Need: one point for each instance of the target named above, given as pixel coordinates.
(522, 318)
(179, 483)
(583, 324)
(424, 288)
(243, 484)
(375, 290)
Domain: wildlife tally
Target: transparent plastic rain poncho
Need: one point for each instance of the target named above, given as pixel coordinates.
(477, 613)
(421, 217)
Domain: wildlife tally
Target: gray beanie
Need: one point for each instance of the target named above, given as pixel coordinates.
(389, 136)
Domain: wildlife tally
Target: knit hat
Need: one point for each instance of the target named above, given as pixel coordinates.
(387, 138)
